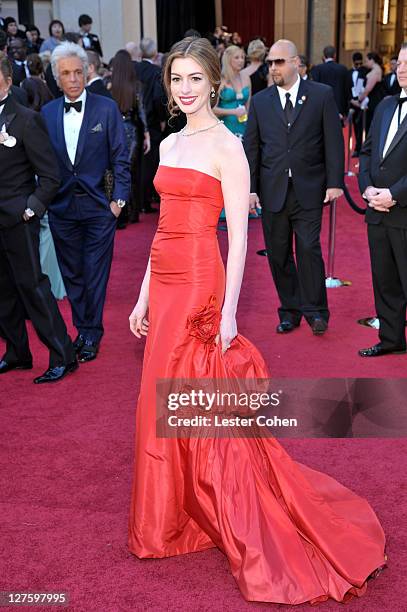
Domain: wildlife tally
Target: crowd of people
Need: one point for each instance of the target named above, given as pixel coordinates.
(128, 93)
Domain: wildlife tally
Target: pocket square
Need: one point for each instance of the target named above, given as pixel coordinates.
(97, 128)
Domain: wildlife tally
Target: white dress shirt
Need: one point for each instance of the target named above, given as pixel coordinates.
(394, 125)
(293, 93)
(293, 97)
(72, 126)
(392, 79)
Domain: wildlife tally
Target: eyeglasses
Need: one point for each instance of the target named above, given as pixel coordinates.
(278, 62)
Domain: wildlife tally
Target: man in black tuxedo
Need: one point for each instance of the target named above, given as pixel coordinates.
(154, 103)
(383, 183)
(356, 84)
(333, 74)
(294, 146)
(29, 179)
(94, 81)
(90, 41)
(390, 81)
(18, 53)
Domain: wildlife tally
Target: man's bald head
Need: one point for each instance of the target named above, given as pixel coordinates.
(285, 45)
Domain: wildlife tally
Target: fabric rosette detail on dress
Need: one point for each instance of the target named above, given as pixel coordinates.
(204, 323)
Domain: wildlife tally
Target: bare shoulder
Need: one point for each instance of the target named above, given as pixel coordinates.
(228, 144)
(167, 144)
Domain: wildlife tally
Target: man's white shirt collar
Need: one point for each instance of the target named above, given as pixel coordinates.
(96, 78)
(293, 92)
(82, 98)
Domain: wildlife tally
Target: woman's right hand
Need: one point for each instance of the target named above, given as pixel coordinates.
(240, 111)
(137, 319)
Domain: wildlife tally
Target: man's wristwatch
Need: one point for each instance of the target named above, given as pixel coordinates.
(121, 203)
(29, 212)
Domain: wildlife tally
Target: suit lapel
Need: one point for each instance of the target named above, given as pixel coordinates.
(84, 128)
(61, 136)
(302, 90)
(385, 125)
(9, 113)
(401, 132)
(277, 103)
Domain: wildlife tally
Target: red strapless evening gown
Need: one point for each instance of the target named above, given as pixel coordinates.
(291, 534)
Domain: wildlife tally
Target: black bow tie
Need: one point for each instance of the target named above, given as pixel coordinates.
(76, 105)
(3, 101)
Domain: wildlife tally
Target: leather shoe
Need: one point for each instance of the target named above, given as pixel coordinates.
(57, 373)
(88, 352)
(5, 366)
(318, 326)
(78, 343)
(286, 326)
(377, 351)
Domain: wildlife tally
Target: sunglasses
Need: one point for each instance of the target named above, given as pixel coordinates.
(278, 62)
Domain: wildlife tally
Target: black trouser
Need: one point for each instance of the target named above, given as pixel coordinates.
(388, 256)
(358, 125)
(300, 282)
(24, 289)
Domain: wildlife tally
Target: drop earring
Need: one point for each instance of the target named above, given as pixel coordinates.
(213, 93)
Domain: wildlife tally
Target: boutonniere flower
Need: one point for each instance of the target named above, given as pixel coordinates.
(302, 100)
(7, 140)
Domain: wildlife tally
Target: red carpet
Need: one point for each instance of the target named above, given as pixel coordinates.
(67, 450)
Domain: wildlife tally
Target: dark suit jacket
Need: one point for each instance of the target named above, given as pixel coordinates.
(153, 95)
(335, 75)
(31, 156)
(391, 90)
(389, 171)
(99, 88)
(101, 146)
(19, 95)
(94, 43)
(19, 74)
(313, 147)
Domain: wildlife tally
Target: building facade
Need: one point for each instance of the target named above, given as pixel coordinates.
(351, 25)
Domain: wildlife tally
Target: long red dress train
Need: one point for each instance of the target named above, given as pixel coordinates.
(291, 534)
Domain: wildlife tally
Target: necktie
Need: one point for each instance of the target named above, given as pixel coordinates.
(400, 104)
(288, 109)
(3, 101)
(76, 105)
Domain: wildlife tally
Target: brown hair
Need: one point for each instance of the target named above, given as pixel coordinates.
(201, 50)
(6, 67)
(125, 85)
(35, 65)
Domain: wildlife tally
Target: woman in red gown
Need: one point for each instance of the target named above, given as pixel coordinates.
(291, 534)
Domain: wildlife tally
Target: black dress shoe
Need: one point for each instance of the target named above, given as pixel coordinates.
(57, 373)
(78, 343)
(377, 351)
(6, 366)
(318, 326)
(286, 326)
(88, 352)
(262, 252)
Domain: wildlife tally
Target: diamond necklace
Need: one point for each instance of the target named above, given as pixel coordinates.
(184, 133)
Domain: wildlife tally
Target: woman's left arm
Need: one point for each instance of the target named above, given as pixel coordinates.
(235, 179)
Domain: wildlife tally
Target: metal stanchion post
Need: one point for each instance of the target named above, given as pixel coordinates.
(331, 282)
(364, 124)
(350, 141)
